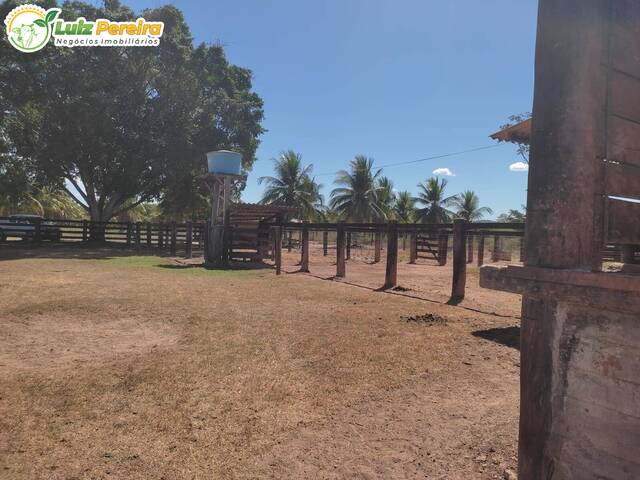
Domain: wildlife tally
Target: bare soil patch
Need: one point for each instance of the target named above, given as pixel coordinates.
(126, 367)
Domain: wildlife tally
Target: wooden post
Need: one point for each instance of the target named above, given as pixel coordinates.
(85, 231)
(469, 248)
(189, 240)
(495, 255)
(340, 251)
(325, 243)
(377, 248)
(413, 247)
(129, 232)
(481, 250)
(160, 235)
(304, 263)
(148, 228)
(138, 236)
(348, 245)
(173, 238)
(459, 262)
(443, 247)
(391, 273)
(277, 249)
(37, 234)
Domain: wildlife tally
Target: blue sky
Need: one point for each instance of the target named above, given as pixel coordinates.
(396, 80)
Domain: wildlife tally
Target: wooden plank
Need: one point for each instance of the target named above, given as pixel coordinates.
(625, 38)
(189, 241)
(304, 263)
(623, 222)
(622, 180)
(624, 98)
(481, 250)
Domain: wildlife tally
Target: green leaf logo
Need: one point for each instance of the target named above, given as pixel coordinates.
(51, 15)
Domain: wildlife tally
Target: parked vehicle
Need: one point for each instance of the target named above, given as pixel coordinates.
(24, 226)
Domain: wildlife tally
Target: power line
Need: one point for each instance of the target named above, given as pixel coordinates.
(435, 157)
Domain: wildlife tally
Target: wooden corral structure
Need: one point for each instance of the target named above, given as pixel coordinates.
(580, 339)
(250, 229)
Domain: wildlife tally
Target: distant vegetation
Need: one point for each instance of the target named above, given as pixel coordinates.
(363, 194)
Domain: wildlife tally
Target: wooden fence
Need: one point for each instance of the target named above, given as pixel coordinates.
(170, 236)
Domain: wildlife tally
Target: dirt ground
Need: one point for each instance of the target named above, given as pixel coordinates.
(138, 367)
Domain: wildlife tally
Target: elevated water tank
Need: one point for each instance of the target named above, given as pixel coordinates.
(224, 162)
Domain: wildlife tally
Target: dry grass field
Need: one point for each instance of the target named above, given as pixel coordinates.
(139, 367)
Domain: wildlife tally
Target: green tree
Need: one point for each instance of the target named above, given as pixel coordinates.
(404, 207)
(292, 186)
(357, 196)
(513, 215)
(126, 125)
(386, 196)
(468, 206)
(431, 195)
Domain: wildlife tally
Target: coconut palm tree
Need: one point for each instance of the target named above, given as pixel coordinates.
(404, 207)
(357, 196)
(386, 196)
(293, 186)
(468, 206)
(431, 195)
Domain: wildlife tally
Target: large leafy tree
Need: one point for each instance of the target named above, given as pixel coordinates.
(431, 195)
(467, 205)
(357, 196)
(293, 186)
(121, 126)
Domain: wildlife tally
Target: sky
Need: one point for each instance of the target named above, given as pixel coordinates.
(395, 80)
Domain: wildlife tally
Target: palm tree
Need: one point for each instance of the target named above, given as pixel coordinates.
(386, 196)
(404, 207)
(514, 215)
(431, 195)
(357, 197)
(293, 186)
(468, 206)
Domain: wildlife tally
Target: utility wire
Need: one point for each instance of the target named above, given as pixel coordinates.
(435, 157)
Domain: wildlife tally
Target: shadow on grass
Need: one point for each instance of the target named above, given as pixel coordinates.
(508, 336)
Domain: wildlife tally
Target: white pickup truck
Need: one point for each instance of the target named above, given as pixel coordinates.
(24, 226)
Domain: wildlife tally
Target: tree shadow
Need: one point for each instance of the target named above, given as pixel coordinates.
(508, 336)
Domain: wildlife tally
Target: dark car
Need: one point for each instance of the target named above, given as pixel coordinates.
(24, 226)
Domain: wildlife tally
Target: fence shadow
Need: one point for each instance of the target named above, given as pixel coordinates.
(508, 336)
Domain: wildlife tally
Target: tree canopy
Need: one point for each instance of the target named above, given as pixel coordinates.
(357, 197)
(123, 125)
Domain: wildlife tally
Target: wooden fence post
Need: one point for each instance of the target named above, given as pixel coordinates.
(129, 232)
(348, 245)
(481, 250)
(138, 236)
(459, 262)
(37, 234)
(325, 243)
(85, 231)
(304, 263)
(443, 247)
(148, 230)
(277, 249)
(469, 248)
(172, 249)
(391, 273)
(340, 253)
(189, 240)
(377, 245)
(413, 247)
(160, 235)
(495, 255)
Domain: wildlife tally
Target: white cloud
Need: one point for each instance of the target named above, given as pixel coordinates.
(444, 172)
(519, 167)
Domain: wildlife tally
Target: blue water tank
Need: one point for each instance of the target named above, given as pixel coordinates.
(224, 162)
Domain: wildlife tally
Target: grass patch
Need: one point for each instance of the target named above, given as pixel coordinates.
(169, 266)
